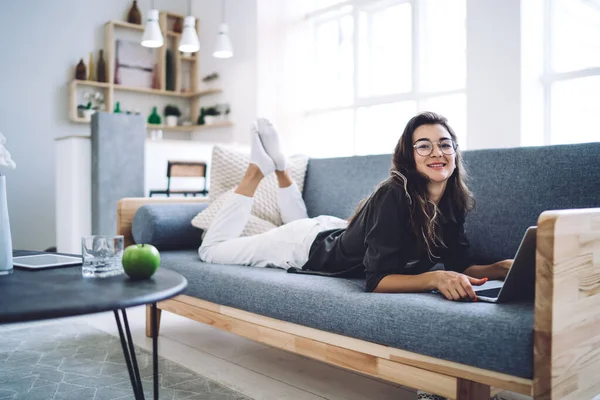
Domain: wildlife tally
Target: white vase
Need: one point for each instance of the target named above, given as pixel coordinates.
(210, 119)
(6, 258)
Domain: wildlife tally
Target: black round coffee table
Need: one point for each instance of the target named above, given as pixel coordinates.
(64, 292)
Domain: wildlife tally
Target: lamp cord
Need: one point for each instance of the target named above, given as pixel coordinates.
(223, 9)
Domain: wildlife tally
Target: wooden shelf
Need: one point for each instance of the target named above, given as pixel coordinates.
(158, 92)
(204, 92)
(191, 128)
(127, 25)
(187, 64)
(105, 85)
(79, 120)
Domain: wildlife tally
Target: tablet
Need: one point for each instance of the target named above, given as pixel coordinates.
(43, 261)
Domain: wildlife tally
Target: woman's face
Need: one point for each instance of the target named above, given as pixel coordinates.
(437, 166)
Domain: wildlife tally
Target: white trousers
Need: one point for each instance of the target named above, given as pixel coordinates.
(282, 247)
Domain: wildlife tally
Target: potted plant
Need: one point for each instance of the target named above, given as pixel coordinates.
(95, 102)
(172, 113)
(211, 114)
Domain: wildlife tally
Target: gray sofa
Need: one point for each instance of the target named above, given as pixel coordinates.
(477, 344)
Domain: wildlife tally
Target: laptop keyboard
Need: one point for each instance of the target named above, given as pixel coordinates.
(488, 292)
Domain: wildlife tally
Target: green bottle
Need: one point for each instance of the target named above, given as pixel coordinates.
(117, 108)
(154, 118)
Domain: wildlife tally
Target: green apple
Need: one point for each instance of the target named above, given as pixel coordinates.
(140, 261)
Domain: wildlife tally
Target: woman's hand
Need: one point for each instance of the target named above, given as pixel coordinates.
(497, 270)
(501, 268)
(455, 286)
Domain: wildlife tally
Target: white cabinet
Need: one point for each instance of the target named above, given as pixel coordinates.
(73, 192)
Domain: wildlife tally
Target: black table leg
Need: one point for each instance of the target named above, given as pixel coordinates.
(136, 370)
(154, 317)
(129, 354)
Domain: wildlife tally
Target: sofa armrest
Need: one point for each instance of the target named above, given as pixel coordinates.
(127, 207)
(567, 305)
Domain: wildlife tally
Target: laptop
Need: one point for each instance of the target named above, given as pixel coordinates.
(520, 281)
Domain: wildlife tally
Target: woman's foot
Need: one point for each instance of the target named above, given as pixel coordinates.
(270, 140)
(258, 155)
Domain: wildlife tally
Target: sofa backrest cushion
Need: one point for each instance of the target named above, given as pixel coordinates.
(334, 186)
(512, 187)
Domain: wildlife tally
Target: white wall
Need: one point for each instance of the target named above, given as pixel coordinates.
(237, 74)
(41, 41)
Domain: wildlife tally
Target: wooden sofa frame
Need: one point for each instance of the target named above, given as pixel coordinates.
(566, 322)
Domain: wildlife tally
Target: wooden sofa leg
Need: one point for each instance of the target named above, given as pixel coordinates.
(469, 390)
(149, 320)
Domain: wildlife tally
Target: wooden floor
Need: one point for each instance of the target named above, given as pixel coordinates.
(258, 371)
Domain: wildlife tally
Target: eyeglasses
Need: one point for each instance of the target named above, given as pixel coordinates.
(425, 147)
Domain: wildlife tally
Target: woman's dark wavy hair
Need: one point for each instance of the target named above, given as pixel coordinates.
(424, 213)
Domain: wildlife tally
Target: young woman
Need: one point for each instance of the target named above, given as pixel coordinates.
(413, 220)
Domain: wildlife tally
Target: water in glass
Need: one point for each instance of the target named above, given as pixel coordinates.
(102, 255)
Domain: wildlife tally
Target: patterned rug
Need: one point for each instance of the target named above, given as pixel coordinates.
(59, 362)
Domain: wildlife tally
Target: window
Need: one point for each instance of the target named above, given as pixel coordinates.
(374, 64)
(571, 77)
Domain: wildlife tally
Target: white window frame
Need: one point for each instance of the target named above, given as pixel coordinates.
(416, 95)
(549, 76)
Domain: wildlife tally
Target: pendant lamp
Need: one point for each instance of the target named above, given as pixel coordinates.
(223, 48)
(152, 36)
(189, 42)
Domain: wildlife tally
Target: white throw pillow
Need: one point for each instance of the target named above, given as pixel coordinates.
(226, 171)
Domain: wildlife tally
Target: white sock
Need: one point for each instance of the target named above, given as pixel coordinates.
(270, 141)
(258, 155)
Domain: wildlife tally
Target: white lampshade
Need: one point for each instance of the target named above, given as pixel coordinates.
(152, 35)
(189, 42)
(223, 49)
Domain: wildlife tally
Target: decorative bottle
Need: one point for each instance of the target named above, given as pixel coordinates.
(154, 118)
(134, 16)
(101, 70)
(91, 67)
(80, 71)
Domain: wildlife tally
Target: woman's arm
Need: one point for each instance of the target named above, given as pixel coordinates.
(397, 283)
(497, 270)
(452, 285)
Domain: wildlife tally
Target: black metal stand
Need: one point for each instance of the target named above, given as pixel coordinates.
(154, 312)
(129, 353)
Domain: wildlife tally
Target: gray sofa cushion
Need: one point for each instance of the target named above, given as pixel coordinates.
(168, 226)
(334, 186)
(490, 336)
(512, 187)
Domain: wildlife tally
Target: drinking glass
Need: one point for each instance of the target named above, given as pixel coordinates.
(102, 255)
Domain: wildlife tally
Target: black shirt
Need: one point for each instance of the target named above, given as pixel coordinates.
(380, 242)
